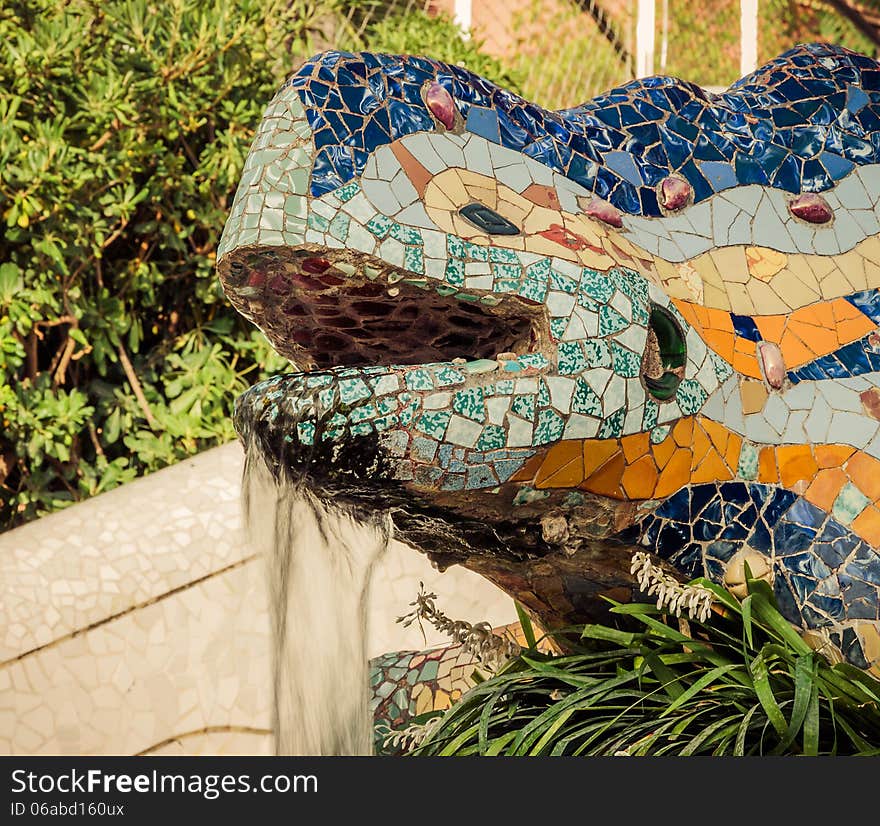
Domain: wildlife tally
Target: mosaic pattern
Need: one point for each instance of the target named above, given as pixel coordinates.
(594, 316)
(137, 621)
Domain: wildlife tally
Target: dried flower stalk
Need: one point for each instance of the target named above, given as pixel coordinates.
(489, 648)
(672, 595)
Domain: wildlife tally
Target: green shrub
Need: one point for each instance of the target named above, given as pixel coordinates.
(124, 125)
(741, 683)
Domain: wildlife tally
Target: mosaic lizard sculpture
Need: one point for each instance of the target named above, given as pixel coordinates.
(543, 339)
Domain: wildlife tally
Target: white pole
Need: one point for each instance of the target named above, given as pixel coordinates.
(645, 26)
(748, 33)
(462, 14)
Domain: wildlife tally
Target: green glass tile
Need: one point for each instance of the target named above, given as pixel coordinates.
(318, 222)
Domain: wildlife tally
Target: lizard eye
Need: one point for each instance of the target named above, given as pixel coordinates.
(665, 354)
(487, 220)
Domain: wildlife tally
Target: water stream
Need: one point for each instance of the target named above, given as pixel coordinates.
(319, 562)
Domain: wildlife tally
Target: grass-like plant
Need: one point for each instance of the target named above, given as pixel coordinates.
(743, 682)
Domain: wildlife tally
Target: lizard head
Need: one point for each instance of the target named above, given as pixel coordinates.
(540, 338)
(458, 305)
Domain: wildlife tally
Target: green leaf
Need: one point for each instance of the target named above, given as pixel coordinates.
(761, 677)
(525, 622)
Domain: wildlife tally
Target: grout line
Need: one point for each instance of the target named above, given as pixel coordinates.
(146, 603)
(207, 730)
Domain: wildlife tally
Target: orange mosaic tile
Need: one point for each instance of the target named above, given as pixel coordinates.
(867, 525)
(711, 468)
(560, 458)
(682, 433)
(767, 466)
(802, 335)
(635, 446)
(825, 486)
(527, 472)
(663, 452)
(597, 452)
(640, 479)
(828, 456)
(796, 464)
(676, 474)
(606, 480)
(864, 471)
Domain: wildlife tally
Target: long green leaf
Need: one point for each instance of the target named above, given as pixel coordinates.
(525, 622)
(761, 678)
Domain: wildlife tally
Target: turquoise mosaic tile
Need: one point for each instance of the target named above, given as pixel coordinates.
(434, 423)
(549, 427)
(524, 406)
(585, 400)
(493, 436)
(352, 390)
(625, 362)
(690, 396)
(469, 403)
(611, 321)
(597, 352)
(597, 285)
(571, 358)
(419, 380)
(612, 427)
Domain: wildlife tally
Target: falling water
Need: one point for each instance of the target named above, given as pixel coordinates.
(319, 566)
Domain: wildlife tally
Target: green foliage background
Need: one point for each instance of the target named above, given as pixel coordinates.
(124, 125)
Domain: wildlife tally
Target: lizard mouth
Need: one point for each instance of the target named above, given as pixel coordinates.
(324, 309)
